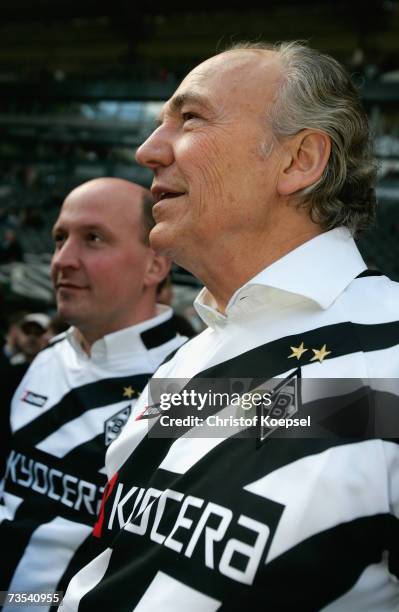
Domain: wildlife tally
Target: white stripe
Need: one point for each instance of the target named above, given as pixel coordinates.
(11, 505)
(169, 595)
(23, 413)
(85, 580)
(125, 444)
(382, 363)
(391, 450)
(48, 554)
(185, 452)
(320, 491)
(375, 591)
(82, 429)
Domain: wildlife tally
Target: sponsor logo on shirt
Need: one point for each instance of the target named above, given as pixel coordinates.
(34, 398)
(66, 489)
(233, 544)
(150, 412)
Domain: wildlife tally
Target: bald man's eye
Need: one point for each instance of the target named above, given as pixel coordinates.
(59, 240)
(94, 238)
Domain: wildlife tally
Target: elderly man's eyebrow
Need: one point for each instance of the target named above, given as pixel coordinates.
(176, 103)
(179, 100)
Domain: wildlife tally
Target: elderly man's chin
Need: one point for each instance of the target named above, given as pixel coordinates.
(164, 238)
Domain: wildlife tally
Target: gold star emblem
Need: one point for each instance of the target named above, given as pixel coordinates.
(297, 351)
(128, 391)
(319, 355)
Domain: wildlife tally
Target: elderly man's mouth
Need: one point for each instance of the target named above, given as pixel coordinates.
(170, 194)
(163, 193)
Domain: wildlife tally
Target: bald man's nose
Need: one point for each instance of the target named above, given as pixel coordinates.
(66, 256)
(155, 151)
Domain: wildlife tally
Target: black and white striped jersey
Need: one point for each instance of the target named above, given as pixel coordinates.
(65, 413)
(282, 523)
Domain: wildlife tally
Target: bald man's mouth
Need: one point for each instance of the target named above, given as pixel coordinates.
(70, 286)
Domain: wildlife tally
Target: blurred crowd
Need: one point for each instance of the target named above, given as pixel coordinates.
(27, 334)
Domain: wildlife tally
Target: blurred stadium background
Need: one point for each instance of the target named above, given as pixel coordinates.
(81, 83)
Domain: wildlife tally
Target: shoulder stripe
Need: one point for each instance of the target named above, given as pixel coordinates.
(54, 342)
(272, 359)
(369, 273)
(78, 401)
(171, 355)
(155, 336)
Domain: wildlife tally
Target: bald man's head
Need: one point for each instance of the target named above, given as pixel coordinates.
(104, 272)
(121, 189)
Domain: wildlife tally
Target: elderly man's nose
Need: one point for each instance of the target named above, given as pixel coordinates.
(155, 151)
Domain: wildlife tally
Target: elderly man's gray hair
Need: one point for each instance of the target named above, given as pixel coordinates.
(317, 93)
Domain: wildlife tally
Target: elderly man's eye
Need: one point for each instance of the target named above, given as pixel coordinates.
(187, 116)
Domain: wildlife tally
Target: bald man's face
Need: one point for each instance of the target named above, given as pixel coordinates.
(100, 260)
(213, 179)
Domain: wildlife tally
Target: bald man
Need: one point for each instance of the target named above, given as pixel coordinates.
(79, 392)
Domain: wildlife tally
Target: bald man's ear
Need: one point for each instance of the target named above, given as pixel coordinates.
(305, 157)
(158, 268)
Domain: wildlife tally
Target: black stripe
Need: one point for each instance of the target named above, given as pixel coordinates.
(82, 470)
(52, 342)
(87, 551)
(57, 339)
(378, 336)
(271, 359)
(15, 535)
(314, 580)
(363, 414)
(76, 402)
(172, 354)
(92, 451)
(155, 336)
(369, 273)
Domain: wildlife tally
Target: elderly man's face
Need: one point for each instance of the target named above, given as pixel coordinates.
(214, 180)
(100, 260)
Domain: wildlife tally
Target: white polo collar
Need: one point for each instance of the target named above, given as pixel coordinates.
(318, 270)
(124, 341)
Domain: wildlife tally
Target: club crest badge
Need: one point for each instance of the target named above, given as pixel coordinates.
(285, 402)
(114, 425)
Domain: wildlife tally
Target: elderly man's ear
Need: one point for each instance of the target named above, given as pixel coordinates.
(304, 159)
(158, 268)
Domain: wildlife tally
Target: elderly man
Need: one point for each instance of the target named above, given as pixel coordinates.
(262, 171)
(79, 392)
